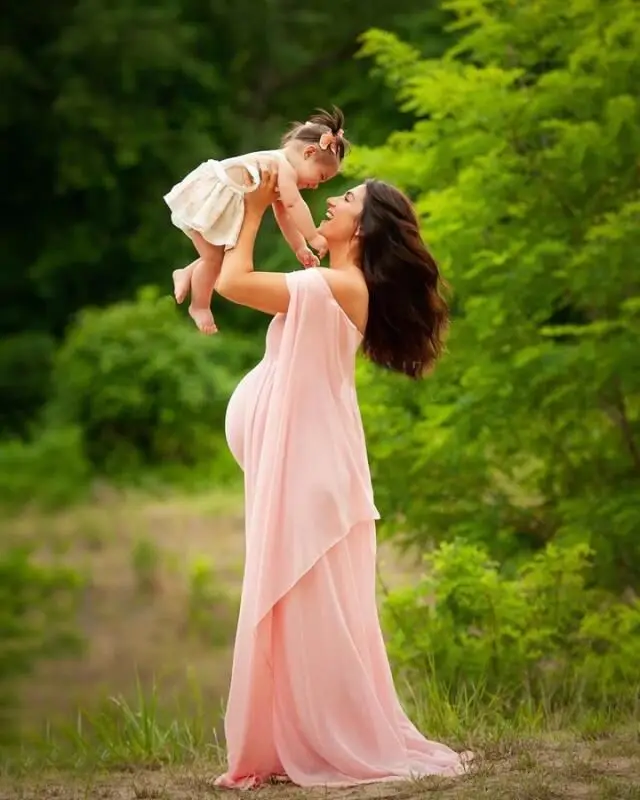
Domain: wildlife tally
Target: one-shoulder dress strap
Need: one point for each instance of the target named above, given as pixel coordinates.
(311, 296)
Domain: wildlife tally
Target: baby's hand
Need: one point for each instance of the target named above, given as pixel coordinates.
(307, 258)
(319, 244)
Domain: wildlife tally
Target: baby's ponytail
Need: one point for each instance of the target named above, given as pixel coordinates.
(334, 120)
(324, 128)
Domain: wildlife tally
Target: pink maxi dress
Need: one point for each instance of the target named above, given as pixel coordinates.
(312, 697)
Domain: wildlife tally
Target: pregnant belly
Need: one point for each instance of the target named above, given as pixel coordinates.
(241, 410)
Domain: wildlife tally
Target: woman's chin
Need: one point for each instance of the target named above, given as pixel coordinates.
(323, 226)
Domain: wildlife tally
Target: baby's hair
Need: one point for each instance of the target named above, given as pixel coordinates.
(319, 124)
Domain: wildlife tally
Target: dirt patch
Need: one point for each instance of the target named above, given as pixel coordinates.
(561, 767)
(549, 768)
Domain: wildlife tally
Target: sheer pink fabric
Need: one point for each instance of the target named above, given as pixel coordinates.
(312, 696)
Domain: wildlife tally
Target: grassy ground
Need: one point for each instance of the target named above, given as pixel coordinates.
(158, 570)
(543, 768)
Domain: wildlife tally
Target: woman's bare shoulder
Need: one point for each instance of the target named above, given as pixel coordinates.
(349, 290)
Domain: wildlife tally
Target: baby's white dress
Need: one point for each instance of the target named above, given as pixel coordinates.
(210, 202)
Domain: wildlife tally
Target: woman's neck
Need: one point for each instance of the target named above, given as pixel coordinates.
(341, 255)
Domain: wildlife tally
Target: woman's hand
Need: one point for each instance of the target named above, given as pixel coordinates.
(267, 192)
(238, 282)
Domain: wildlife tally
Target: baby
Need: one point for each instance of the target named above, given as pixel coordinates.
(208, 205)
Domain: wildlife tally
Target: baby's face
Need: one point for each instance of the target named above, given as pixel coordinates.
(313, 169)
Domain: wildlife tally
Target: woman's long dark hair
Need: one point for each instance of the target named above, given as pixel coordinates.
(408, 317)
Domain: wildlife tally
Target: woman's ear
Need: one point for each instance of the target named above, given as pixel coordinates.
(309, 151)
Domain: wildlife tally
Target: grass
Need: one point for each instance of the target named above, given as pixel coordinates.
(133, 751)
(143, 562)
(156, 568)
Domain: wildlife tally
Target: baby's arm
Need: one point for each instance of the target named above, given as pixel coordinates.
(294, 238)
(295, 206)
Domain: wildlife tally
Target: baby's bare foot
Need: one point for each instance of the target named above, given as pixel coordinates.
(203, 319)
(181, 284)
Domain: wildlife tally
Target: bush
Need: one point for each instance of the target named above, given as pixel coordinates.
(542, 634)
(37, 610)
(25, 376)
(50, 470)
(143, 385)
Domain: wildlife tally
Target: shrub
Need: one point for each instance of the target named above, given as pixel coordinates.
(143, 385)
(37, 608)
(542, 633)
(49, 470)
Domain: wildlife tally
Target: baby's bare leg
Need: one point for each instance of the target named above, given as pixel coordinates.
(182, 281)
(205, 272)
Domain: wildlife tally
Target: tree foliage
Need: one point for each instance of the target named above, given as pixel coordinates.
(108, 104)
(523, 164)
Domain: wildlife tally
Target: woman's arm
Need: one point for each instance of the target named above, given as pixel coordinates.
(264, 291)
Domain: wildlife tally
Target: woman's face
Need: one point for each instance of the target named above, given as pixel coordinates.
(343, 215)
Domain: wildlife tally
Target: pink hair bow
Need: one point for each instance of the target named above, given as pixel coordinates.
(330, 140)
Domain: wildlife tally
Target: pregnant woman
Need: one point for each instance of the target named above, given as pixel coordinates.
(312, 698)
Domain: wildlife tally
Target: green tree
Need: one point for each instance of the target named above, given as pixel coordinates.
(103, 101)
(523, 164)
(107, 103)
